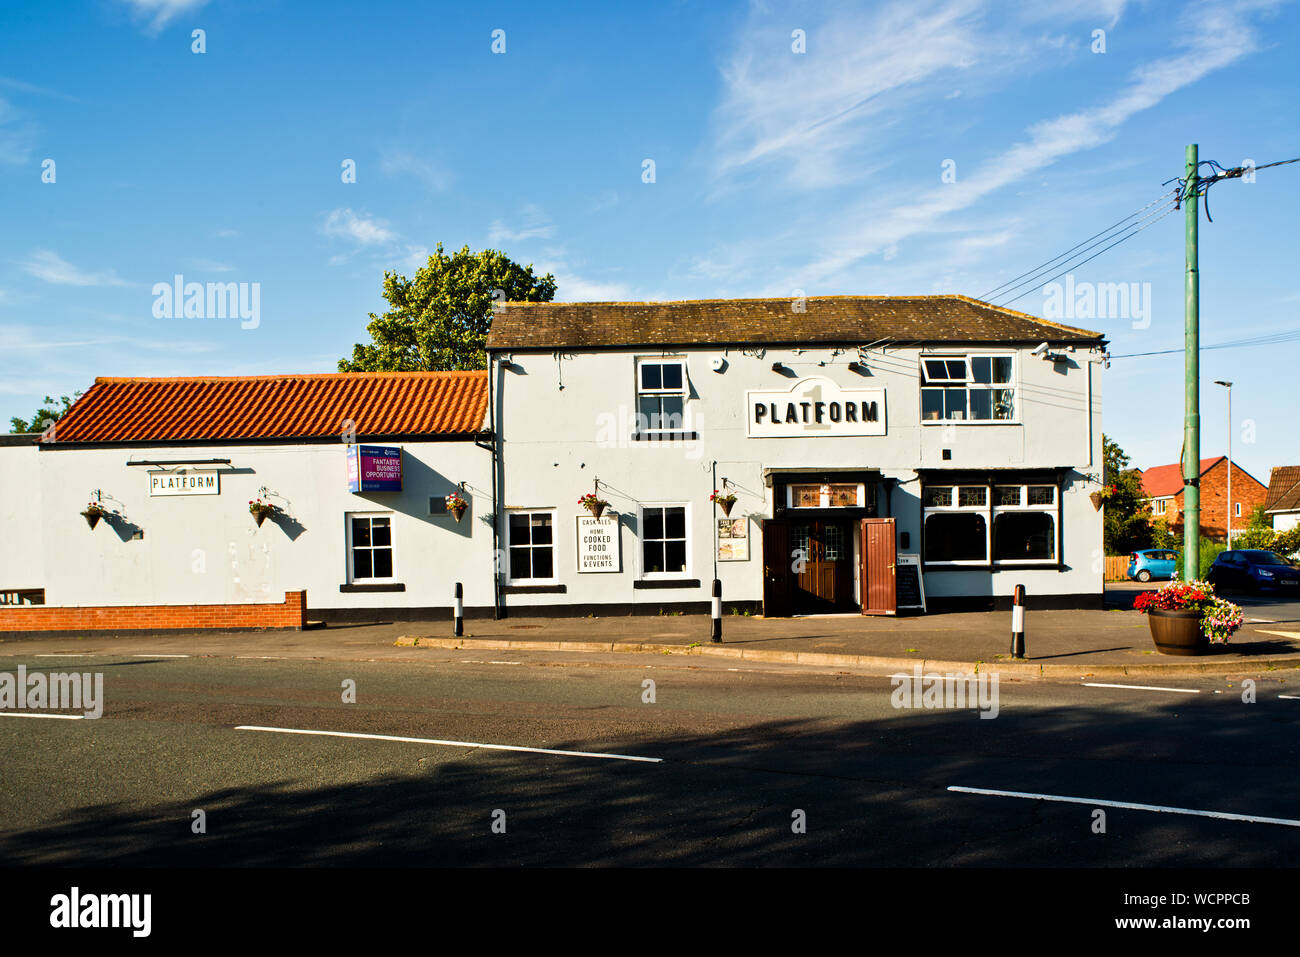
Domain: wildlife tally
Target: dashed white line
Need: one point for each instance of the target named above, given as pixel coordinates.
(456, 744)
(27, 714)
(1290, 697)
(1093, 684)
(1159, 808)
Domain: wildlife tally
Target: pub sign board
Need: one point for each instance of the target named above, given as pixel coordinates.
(185, 482)
(598, 544)
(374, 468)
(814, 407)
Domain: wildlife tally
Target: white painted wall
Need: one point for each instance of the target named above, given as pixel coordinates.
(208, 549)
(558, 440)
(1285, 521)
(21, 519)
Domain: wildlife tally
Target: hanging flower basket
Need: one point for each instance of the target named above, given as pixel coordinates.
(260, 511)
(1102, 494)
(93, 513)
(456, 505)
(1186, 617)
(596, 506)
(724, 502)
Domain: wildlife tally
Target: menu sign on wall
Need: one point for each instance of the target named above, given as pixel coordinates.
(374, 468)
(598, 544)
(733, 539)
(814, 407)
(185, 482)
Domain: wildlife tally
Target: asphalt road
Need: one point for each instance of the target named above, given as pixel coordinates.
(739, 752)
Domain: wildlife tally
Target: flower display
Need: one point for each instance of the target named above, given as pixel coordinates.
(1220, 618)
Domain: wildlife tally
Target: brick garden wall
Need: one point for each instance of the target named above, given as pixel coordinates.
(291, 613)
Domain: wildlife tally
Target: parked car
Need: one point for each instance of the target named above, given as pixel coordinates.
(1255, 569)
(1152, 563)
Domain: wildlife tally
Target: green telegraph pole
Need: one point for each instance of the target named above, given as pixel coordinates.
(1192, 382)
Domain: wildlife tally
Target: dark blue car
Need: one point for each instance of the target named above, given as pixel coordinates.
(1149, 563)
(1255, 570)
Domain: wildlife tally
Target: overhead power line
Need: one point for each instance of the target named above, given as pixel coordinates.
(1075, 265)
(1166, 197)
(1269, 340)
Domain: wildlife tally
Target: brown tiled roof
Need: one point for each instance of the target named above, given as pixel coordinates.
(858, 320)
(276, 407)
(1283, 489)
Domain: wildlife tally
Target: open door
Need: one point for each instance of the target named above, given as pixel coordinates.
(777, 563)
(879, 561)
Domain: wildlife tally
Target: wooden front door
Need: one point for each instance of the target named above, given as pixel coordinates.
(776, 569)
(879, 567)
(822, 563)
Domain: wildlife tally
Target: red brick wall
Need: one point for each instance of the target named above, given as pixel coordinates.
(292, 613)
(1214, 500)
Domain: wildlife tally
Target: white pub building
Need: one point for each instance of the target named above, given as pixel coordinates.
(868, 454)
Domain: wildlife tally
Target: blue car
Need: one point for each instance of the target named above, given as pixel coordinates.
(1152, 563)
(1255, 570)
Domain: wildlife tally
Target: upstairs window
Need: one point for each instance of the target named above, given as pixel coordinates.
(967, 389)
(661, 395)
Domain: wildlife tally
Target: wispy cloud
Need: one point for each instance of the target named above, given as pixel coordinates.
(159, 13)
(1221, 36)
(401, 162)
(17, 134)
(534, 225)
(361, 228)
(211, 265)
(49, 266)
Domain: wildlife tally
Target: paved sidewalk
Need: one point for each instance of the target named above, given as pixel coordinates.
(1058, 643)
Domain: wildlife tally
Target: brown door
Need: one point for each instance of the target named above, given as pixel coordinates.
(776, 569)
(822, 556)
(879, 557)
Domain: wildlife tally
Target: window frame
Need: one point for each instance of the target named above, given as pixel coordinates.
(509, 578)
(823, 497)
(969, 385)
(642, 574)
(639, 391)
(350, 558)
(990, 510)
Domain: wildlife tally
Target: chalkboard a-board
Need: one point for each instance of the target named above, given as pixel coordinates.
(909, 588)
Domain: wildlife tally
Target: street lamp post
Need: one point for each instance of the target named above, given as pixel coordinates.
(1227, 529)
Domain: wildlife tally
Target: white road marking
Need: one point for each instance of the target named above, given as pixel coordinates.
(64, 656)
(26, 714)
(1091, 684)
(1290, 697)
(456, 744)
(1097, 802)
(1283, 634)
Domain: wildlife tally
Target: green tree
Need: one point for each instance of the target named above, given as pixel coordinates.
(1259, 534)
(1126, 514)
(49, 413)
(1288, 542)
(439, 319)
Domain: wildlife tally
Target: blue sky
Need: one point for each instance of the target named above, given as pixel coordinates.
(775, 171)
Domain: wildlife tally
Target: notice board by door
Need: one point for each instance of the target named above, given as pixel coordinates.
(879, 567)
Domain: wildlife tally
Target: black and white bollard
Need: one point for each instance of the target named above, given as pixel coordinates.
(717, 610)
(460, 610)
(1018, 623)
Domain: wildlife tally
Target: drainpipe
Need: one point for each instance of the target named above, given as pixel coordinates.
(496, 494)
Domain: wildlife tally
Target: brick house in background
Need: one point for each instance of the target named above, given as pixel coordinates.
(1163, 484)
(1283, 502)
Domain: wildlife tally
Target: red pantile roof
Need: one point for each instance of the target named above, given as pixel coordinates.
(277, 407)
(1160, 481)
(1283, 489)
